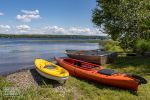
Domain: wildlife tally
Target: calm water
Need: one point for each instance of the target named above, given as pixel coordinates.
(18, 53)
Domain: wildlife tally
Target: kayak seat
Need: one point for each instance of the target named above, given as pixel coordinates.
(77, 63)
(107, 72)
(50, 67)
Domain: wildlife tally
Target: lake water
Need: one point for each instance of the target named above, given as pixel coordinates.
(20, 53)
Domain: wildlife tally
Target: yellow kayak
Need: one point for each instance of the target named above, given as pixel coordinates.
(51, 70)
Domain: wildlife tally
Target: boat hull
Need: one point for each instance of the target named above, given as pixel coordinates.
(120, 81)
(93, 56)
(61, 80)
(93, 59)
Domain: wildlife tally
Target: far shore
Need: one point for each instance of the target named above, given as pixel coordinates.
(56, 38)
(53, 36)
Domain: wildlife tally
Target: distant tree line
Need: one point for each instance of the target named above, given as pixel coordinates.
(53, 36)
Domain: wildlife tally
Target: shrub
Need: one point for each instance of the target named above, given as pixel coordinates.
(110, 45)
(142, 46)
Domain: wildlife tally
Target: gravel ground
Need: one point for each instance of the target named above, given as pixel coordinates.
(28, 77)
(24, 79)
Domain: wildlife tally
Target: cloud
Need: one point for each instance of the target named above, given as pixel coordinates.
(71, 31)
(28, 15)
(75, 30)
(23, 28)
(54, 29)
(85, 31)
(4, 28)
(27, 12)
(51, 30)
(1, 14)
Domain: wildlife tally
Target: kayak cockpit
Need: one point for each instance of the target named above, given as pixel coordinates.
(82, 65)
(49, 67)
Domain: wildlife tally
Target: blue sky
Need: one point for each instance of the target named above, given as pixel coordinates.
(47, 17)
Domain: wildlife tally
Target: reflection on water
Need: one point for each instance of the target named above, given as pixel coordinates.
(17, 53)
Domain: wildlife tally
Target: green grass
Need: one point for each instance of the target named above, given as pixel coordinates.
(80, 89)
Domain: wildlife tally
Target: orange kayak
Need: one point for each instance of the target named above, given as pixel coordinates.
(99, 74)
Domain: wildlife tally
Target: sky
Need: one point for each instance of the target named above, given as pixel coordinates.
(70, 17)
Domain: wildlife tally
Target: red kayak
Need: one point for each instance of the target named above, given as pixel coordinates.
(99, 74)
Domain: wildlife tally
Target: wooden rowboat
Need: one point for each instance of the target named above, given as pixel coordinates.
(99, 74)
(93, 56)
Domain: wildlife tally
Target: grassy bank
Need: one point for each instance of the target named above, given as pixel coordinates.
(79, 89)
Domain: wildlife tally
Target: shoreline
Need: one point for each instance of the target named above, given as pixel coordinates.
(4, 74)
(26, 77)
